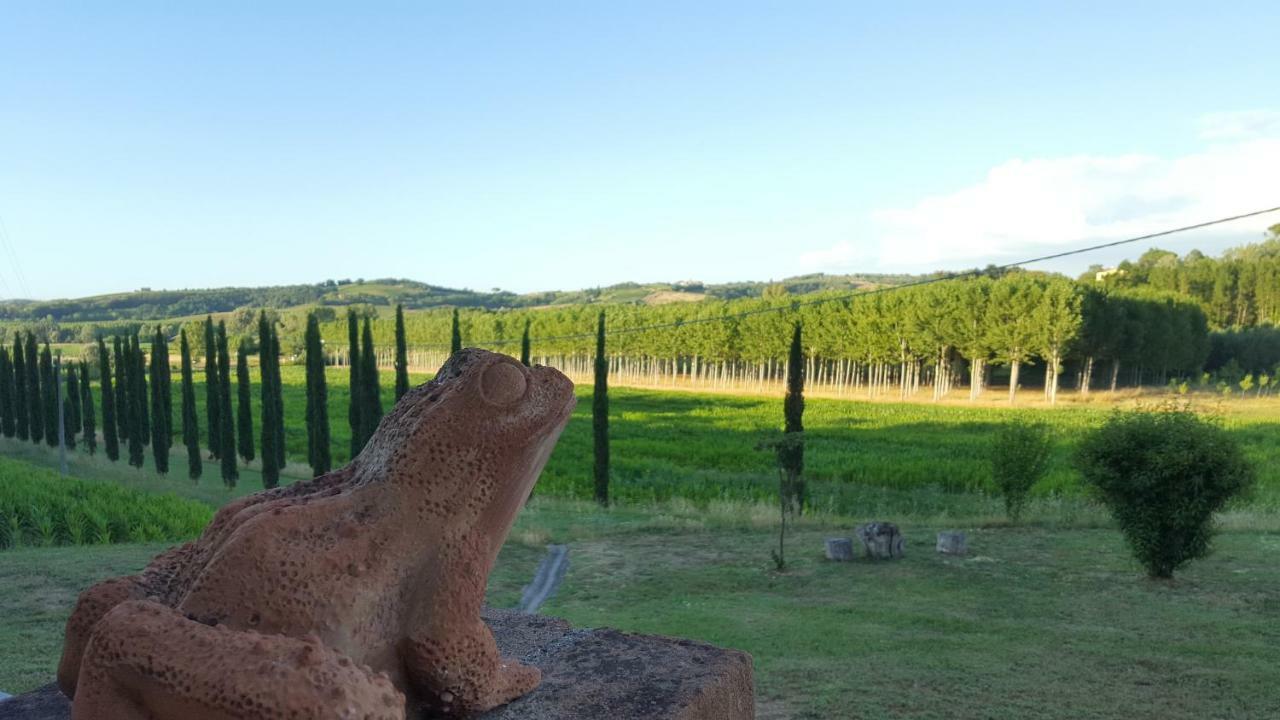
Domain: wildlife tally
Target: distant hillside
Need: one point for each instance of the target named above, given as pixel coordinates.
(147, 304)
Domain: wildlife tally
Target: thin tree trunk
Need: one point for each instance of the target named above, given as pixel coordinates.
(1013, 380)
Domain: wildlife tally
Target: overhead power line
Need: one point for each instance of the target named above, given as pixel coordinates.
(867, 293)
(18, 275)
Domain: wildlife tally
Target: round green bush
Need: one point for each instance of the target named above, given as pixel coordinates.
(1163, 474)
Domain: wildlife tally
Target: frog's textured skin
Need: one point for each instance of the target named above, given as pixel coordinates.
(379, 567)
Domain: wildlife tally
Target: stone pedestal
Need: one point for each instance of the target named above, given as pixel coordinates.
(839, 548)
(952, 543)
(591, 673)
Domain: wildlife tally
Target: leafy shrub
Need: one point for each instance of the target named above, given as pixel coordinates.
(1163, 473)
(1019, 457)
(39, 507)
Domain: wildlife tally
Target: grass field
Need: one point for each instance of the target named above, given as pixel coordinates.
(1048, 620)
(701, 447)
(1035, 623)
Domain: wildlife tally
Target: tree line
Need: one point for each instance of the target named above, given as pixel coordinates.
(1240, 289)
(936, 335)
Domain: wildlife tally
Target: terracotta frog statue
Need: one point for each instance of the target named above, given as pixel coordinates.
(353, 595)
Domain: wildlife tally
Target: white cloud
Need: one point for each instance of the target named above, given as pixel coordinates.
(1245, 125)
(1027, 206)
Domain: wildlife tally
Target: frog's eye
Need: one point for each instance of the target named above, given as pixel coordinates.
(502, 383)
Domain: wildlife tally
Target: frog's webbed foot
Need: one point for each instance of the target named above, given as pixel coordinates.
(459, 672)
(146, 661)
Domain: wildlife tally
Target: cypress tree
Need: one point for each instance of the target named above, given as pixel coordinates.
(356, 408)
(144, 411)
(270, 455)
(227, 432)
(21, 412)
(277, 395)
(524, 345)
(791, 452)
(122, 389)
(211, 385)
(190, 418)
(69, 429)
(600, 417)
(371, 393)
(402, 356)
(35, 394)
(6, 394)
(72, 400)
(137, 401)
(110, 435)
(161, 404)
(89, 421)
(166, 397)
(272, 391)
(317, 402)
(49, 391)
(244, 404)
(455, 334)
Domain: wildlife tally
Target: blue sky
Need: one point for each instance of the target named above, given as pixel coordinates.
(563, 145)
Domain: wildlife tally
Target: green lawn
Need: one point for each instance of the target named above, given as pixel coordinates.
(1035, 623)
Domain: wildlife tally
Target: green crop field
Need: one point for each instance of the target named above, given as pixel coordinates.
(701, 447)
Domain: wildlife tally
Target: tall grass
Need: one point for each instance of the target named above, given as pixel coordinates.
(41, 508)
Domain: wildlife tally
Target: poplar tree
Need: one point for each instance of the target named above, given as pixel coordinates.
(371, 393)
(161, 402)
(89, 423)
(121, 389)
(49, 391)
(226, 431)
(402, 356)
(317, 401)
(72, 404)
(600, 417)
(6, 394)
(21, 412)
(110, 434)
(356, 406)
(244, 404)
(212, 384)
(524, 345)
(455, 334)
(190, 418)
(35, 395)
(137, 401)
(791, 450)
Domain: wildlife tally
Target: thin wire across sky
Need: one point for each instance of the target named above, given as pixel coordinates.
(867, 293)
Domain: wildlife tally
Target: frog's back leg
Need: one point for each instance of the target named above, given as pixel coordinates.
(146, 661)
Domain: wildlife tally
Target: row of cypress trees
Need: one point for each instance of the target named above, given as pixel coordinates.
(365, 411)
(137, 407)
(29, 396)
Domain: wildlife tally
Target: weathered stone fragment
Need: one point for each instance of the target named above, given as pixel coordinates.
(881, 540)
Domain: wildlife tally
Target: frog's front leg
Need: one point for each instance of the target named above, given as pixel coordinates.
(146, 661)
(450, 658)
(457, 671)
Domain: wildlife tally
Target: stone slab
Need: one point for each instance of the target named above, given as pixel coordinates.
(592, 673)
